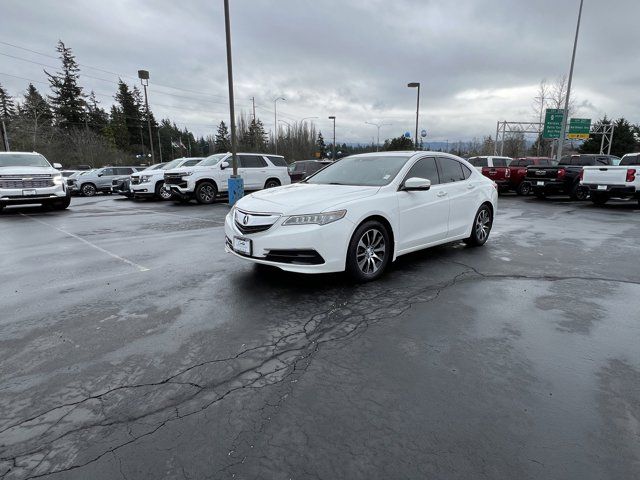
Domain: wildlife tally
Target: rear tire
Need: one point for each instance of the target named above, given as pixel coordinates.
(272, 183)
(599, 198)
(524, 188)
(369, 252)
(88, 190)
(206, 193)
(579, 193)
(481, 228)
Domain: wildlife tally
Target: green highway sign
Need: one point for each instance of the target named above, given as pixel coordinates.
(579, 128)
(552, 123)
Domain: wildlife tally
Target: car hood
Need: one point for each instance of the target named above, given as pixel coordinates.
(301, 198)
(28, 170)
(194, 168)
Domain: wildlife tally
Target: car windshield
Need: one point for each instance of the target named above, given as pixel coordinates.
(212, 160)
(21, 160)
(365, 170)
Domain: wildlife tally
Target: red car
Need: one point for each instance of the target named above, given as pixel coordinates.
(518, 172)
(495, 168)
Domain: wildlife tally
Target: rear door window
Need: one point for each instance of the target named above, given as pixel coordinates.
(450, 170)
(108, 172)
(277, 161)
(630, 160)
(478, 162)
(252, 161)
(123, 171)
(500, 162)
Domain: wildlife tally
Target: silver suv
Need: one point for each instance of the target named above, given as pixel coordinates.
(99, 180)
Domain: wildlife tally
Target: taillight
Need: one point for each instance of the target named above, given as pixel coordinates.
(581, 176)
(631, 175)
(507, 173)
(561, 172)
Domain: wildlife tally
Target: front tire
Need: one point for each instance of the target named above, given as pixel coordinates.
(481, 228)
(206, 193)
(88, 190)
(369, 252)
(61, 204)
(161, 192)
(579, 193)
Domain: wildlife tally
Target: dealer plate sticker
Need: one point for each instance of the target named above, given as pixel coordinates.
(242, 245)
(28, 192)
(602, 187)
(540, 184)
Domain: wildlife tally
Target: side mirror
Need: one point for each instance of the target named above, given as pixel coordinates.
(100, 174)
(57, 166)
(224, 165)
(416, 183)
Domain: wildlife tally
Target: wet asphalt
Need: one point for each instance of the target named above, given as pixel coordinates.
(132, 346)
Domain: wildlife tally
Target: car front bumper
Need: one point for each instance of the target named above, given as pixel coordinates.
(17, 196)
(142, 189)
(330, 242)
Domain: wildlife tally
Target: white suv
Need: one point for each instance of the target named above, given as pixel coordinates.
(150, 182)
(28, 178)
(208, 179)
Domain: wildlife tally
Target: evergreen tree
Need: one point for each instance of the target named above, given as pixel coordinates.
(222, 143)
(255, 138)
(97, 117)
(624, 140)
(320, 145)
(398, 143)
(67, 100)
(7, 107)
(129, 108)
(117, 130)
(35, 112)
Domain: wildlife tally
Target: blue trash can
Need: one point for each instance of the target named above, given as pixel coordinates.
(236, 189)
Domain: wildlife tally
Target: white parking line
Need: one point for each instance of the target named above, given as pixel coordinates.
(118, 257)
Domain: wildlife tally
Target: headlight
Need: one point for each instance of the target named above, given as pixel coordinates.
(144, 178)
(187, 174)
(57, 179)
(315, 218)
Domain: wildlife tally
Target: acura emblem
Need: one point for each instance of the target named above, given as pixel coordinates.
(245, 220)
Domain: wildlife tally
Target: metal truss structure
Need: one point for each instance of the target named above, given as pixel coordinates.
(506, 127)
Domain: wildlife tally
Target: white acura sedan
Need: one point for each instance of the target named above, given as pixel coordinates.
(362, 212)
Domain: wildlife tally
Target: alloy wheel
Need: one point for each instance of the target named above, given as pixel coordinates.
(370, 251)
(483, 225)
(88, 190)
(165, 194)
(207, 193)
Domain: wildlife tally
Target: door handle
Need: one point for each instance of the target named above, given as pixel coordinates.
(470, 187)
(441, 193)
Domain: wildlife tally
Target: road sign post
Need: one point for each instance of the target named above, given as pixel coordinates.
(579, 128)
(552, 123)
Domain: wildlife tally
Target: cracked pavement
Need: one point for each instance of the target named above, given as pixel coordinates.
(132, 346)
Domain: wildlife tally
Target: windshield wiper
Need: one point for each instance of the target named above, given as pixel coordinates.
(335, 183)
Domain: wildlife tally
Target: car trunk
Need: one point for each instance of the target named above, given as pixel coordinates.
(496, 173)
(605, 175)
(543, 173)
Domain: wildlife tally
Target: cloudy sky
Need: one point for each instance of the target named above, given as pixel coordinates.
(478, 61)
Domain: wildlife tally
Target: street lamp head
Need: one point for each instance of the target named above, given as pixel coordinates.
(332, 117)
(413, 84)
(280, 98)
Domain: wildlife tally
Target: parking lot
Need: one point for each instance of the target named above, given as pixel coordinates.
(125, 327)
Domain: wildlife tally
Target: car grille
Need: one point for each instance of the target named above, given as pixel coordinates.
(248, 222)
(174, 178)
(70, 181)
(297, 257)
(135, 180)
(24, 181)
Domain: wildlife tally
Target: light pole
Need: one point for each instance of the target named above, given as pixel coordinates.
(143, 75)
(333, 149)
(378, 125)
(563, 130)
(235, 182)
(416, 85)
(275, 121)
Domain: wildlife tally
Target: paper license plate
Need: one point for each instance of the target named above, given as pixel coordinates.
(602, 187)
(242, 245)
(28, 192)
(540, 184)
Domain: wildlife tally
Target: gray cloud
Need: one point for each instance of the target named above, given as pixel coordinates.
(478, 60)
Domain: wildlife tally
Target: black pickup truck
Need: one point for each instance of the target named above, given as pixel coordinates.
(564, 179)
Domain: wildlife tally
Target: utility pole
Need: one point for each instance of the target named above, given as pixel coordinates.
(235, 182)
(563, 131)
(143, 75)
(414, 85)
(333, 146)
(253, 102)
(159, 144)
(378, 125)
(275, 122)
(4, 136)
